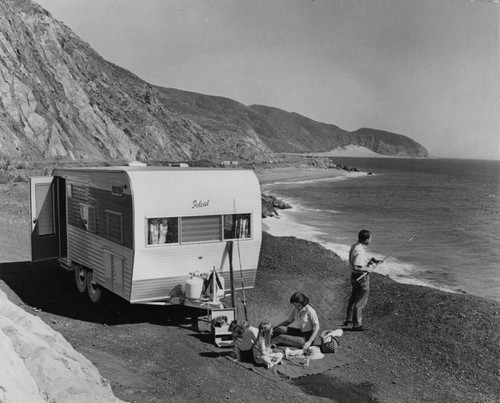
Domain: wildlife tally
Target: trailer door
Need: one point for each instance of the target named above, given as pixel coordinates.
(43, 206)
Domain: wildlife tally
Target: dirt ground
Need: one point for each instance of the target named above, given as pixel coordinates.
(423, 346)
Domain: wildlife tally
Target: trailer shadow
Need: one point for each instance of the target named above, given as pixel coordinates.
(45, 286)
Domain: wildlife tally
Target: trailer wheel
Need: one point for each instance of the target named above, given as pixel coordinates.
(94, 291)
(80, 278)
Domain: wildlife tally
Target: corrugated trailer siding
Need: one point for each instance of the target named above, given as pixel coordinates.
(155, 289)
(94, 187)
(87, 243)
(102, 201)
(88, 250)
(175, 260)
(95, 178)
(164, 263)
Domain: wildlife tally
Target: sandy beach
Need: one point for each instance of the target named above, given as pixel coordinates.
(284, 174)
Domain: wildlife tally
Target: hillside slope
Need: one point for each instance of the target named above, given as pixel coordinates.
(62, 100)
(297, 133)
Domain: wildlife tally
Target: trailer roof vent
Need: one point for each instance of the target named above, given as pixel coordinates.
(136, 164)
(117, 190)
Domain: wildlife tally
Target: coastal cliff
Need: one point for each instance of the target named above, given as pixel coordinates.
(62, 101)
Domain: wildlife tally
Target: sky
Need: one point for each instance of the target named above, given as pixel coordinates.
(427, 69)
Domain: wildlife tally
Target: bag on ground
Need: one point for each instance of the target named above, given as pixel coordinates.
(330, 341)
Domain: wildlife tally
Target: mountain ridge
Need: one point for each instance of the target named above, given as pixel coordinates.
(61, 100)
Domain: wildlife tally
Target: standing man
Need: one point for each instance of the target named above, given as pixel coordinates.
(360, 265)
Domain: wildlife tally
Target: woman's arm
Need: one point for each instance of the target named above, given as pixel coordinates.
(286, 322)
(313, 319)
(309, 342)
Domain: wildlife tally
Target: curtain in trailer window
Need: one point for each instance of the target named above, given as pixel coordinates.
(200, 229)
(237, 226)
(162, 231)
(88, 217)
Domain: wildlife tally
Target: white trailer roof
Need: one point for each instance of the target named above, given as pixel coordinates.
(154, 188)
(191, 191)
(146, 168)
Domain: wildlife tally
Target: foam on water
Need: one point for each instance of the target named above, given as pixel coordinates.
(315, 180)
(452, 205)
(287, 225)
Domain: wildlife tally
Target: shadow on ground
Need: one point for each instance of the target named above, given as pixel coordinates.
(48, 287)
(322, 385)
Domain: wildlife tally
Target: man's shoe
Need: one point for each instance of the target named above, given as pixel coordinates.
(360, 328)
(346, 323)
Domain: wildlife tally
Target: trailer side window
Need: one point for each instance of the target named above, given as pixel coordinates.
(45, 208)
(237, 226)
(163, 230)
(88, 217)
(114, 226)
(201, 228)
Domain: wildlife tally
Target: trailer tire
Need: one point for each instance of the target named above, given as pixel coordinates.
(94, 290)
(81, 275)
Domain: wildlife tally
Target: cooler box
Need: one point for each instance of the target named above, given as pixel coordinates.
(220, 320)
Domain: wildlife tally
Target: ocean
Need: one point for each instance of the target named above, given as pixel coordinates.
(436, 220)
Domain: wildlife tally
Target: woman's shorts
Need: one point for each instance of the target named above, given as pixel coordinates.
(247, 356)
(293, 331)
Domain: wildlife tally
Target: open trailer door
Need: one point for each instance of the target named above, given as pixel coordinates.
(44, 228)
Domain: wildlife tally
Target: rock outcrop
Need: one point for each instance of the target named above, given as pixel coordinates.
(39, 365)
(269, 205)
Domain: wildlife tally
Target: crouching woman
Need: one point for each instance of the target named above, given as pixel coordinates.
(301, 327)
(244, 337)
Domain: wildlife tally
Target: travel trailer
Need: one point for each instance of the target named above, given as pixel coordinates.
(150, 234)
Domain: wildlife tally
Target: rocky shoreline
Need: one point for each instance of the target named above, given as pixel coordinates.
(269, 205)
(292, 170)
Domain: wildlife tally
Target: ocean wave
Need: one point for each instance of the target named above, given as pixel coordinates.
(399, 271)
(456, 208)
(296, 206)
(408, 273)
(316, 180)
(285, 226)
(318, 210)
